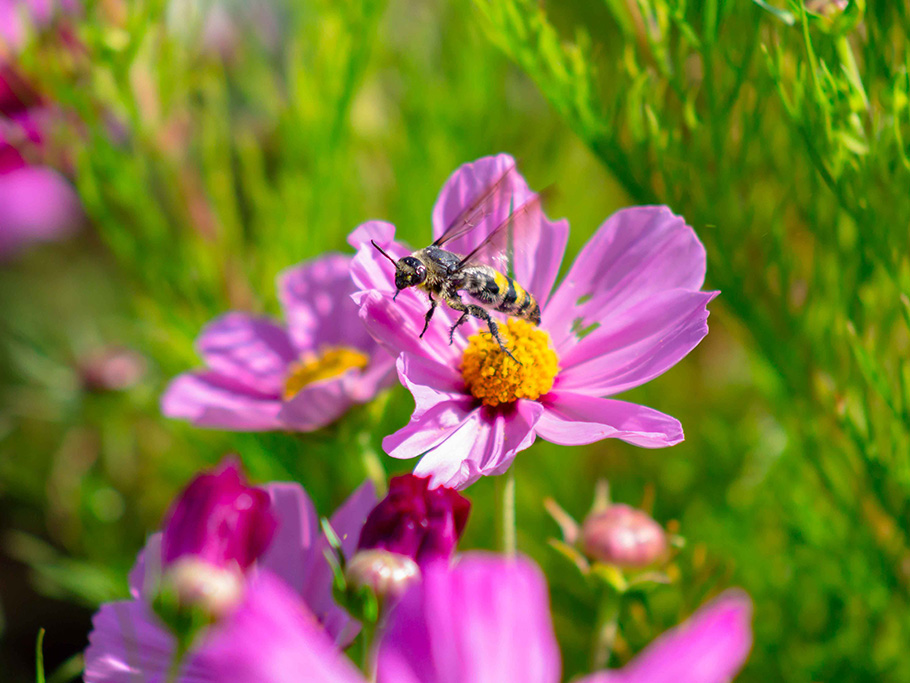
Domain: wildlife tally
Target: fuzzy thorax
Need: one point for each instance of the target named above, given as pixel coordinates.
(494, 378)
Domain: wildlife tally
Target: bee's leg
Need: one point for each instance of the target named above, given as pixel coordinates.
(478, 312)
(429, 315)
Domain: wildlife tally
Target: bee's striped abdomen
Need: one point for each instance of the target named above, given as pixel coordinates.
(501, 293)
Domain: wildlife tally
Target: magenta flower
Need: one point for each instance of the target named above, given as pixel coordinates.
(219, 519)
(262, 376)
(629, 309)
(417, 521)
(485, 620)
(488, 619)
(272, 638)
(128, 642)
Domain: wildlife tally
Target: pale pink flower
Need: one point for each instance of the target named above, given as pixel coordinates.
(629, 308)
(261, 375)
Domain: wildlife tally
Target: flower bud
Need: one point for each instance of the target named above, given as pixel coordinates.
(111, 368)
(219, 519)
(623, 536)
(416, 521)
(196, 583)
(388, 574)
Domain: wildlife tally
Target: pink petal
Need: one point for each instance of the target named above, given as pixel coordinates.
(379, 231)
(430, 382)
(316, 298)
(272, 638)
(318, 404)
(710, 647)
(636, 253)
(575, 419)
(297, 553)
(637, 344)
(396, 325)
(208, 399)
(430, 428)
(485, 620)
(146, 572)
(370, 270)
(537, 262)
(254, 352)
(37, 204)
(129, 644)
(485, 444)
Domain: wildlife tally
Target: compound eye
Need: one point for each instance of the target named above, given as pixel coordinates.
(421, 273)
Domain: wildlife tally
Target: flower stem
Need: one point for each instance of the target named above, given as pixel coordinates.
(606, 630)
(505, 489)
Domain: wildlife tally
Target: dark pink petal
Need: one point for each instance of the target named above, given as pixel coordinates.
(636, 253)
(575, 419)
(537, 261)
(396, 325)
(485, 444)
(254, 352)
(297, 553)
(486, 620)
(636, 345)
(208, 399)
(710, 647)
(416, 521)
(37, 204)
(272, 638)
(316, 298)
(220, 519)
(129, 644)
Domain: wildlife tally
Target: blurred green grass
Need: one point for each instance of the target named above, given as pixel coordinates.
(792, 481)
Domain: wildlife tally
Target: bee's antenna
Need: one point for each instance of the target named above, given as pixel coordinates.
(382, 252)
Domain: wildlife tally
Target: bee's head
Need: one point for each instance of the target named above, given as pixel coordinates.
(409, 272)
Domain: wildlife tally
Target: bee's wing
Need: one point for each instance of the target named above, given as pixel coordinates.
(506, 244)
(498, 194)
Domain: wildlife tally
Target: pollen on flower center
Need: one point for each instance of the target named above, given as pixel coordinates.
(494, 378)
(314, 367)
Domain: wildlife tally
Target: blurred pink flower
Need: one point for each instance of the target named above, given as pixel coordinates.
(634, 290)
(710, 647)
(128, 642)
(37, 204)
(17, 16)
(485, 620)
(263, 376)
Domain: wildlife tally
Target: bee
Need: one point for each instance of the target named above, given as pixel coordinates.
(442, 274)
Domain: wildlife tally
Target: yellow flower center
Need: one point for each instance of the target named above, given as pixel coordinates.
(315, 367)
(494, 378)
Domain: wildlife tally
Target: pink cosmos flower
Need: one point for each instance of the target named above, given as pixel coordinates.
(630, 308)
(263, 376)
(128, 642)
(484, 620)
(488, 620)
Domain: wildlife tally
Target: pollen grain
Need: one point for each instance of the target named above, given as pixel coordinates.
(494, 379)
(315, 367)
